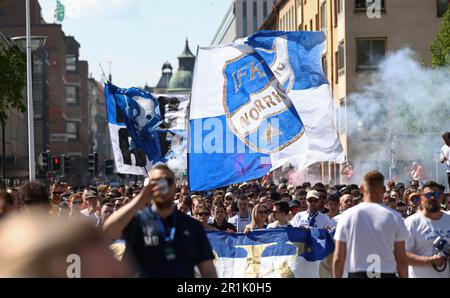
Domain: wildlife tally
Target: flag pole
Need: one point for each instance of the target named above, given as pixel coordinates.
(188, 122)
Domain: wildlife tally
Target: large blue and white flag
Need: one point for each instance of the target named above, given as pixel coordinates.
(258, 104)
(287, 252)
(133, 118)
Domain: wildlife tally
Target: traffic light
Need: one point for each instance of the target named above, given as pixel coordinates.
(93, 163)
(109, 167)
(56, 163)
(66, 164)
(45, 158)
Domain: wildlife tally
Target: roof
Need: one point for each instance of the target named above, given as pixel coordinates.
(181, 81)
(187, 51)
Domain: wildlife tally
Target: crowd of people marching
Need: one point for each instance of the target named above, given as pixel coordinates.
(157, 230)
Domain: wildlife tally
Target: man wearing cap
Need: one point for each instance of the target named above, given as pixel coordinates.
(312, 217)
(294, 208)
(91, 210)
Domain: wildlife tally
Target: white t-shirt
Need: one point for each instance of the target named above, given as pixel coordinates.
(422, 233)
(301, 219)
(445, 152)
(240, 222)
(276, 225)
(370, 231)
(334, 220)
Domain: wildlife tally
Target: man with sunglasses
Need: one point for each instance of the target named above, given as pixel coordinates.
(163, 242)
(312, 217)
(424, 227)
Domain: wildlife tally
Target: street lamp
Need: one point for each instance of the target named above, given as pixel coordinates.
(31, 44)
(37, 42)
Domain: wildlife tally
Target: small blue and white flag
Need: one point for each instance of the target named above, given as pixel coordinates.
(258, 104)
(134, 118)
(281, 253)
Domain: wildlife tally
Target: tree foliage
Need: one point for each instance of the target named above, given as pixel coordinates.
(440, 48)
(12, 79)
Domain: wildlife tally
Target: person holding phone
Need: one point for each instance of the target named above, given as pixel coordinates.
(162, 241)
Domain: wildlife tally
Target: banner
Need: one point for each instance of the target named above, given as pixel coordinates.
(258, 104)
(282, 253)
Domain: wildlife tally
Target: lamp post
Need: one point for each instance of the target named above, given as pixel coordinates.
(30, 43)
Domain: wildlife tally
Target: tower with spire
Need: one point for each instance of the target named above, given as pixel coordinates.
(181, 81)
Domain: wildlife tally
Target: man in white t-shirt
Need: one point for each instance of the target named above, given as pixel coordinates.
(370, 237)
(312, 217)
(424, 227)
(445, 154)
(243, 218)
(280, 211)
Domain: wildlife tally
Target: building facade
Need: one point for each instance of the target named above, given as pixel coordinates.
(16, 140)
(356, 42)
(65, 113)
(99, 139)
(243, 18)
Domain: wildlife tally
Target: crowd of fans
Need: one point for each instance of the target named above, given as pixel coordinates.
(242, 207)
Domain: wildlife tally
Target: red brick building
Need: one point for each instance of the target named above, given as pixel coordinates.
(67, 115)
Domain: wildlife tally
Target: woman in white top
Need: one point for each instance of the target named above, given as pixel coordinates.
(259, 218)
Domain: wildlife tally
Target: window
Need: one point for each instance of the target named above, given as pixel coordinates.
(341, 58)
(363, 4)
(323, 15)
(324, 65)
(306, 27)
(317, 22)
(72, 129)
(310, 25)
(442, 6)
(265, 9)
(72, 94)
(244, 21)
(336, 68)
(369, 53)
(336, 12)
(71, 63)
(255, 17)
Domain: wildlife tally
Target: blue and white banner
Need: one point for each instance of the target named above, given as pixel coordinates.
(288, 252)
(258, 104)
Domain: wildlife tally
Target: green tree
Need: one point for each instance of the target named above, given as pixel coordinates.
(13, 67)
(440, 48)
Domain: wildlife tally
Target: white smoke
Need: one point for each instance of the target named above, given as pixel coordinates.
(405, 106)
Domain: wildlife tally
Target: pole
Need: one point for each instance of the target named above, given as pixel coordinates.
(31, 159)
(3, 155)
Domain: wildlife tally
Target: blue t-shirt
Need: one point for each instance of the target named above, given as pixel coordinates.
(148, 248)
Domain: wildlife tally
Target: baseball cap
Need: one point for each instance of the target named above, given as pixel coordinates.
(313, 194)
(294, 203)
(229, 194)
(90, 195)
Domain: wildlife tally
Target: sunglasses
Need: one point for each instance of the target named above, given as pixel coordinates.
(203, 214)
(77, 202)
(57, 192)
(265, 212)
(313, 200)
(415, 199)
(432, 195)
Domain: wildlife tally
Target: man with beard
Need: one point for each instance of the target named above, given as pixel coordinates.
(424, 227)
(163, 241)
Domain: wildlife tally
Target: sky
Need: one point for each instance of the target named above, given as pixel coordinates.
(137, 36)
